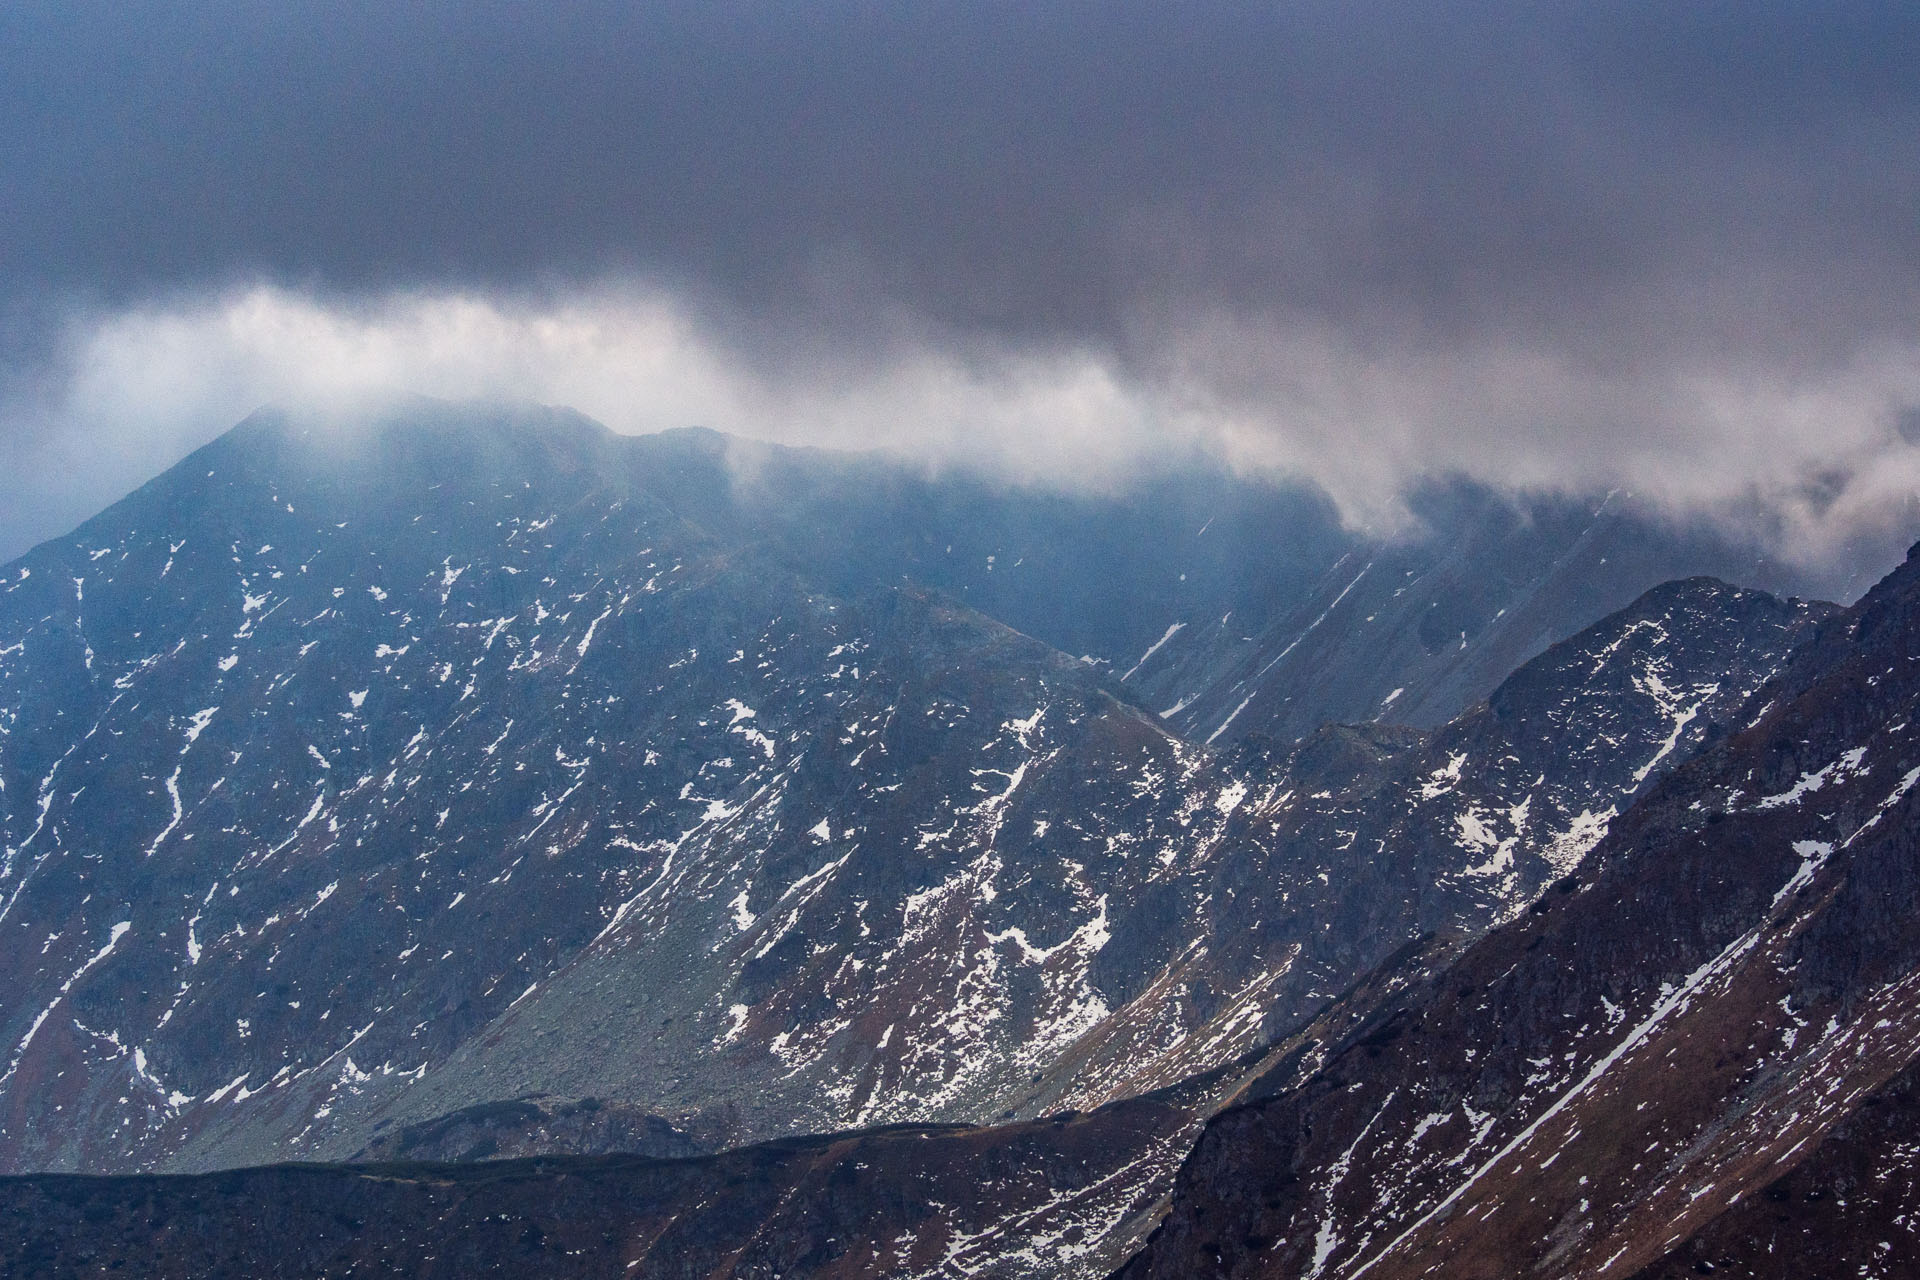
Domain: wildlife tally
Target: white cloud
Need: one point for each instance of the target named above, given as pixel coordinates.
(1814, 452)
(1808, 457)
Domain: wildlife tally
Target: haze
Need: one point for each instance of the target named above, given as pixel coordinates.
(1546, 247)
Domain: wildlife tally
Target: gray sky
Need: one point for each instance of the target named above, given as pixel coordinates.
(1670, 247)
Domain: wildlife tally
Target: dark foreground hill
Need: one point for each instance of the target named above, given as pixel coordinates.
(1068, 1195)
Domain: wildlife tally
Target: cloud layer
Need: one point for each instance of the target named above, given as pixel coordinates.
(1674, 249)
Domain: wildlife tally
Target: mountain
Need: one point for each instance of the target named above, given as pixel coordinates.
(366, 746)
(1070, 1195)
(1667, 1066)
(1360, 839)
(1416, 631)
(1229, 606)
(1693, 1054)
(352, 784)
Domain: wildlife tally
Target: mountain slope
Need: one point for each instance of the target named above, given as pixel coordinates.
(1416, 631)
(345, 789)
(1064, 1197)
(1850, 1206)
(1234, 606)
(1360, 839)
(1662, 1039)
(494, 665)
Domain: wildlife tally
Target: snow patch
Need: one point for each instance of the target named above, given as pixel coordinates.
(1153, 648)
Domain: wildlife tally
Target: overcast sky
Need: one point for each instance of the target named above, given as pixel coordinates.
(1672, 247)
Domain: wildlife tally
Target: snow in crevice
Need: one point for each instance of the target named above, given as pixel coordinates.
(1153, 648)
(1849, 764)
(1294, 644)
(118, 932)
(1669, 701)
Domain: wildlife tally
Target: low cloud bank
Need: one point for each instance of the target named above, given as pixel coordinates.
(1807, 459)
(1613, 243)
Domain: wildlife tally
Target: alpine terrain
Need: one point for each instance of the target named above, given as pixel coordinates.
(804, 865)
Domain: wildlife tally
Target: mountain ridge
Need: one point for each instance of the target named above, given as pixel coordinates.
(1720, 923)
(458, 656)
(469, 739)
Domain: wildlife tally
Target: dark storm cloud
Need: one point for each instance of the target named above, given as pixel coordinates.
(1673, 246)
(1027, 168)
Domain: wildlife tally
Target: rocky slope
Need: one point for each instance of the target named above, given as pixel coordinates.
(1661, 1068)
(1694, 1053)
(1362, 838)
(1848, 1207)
(344, 789)
(1415, 631)
(1231, 606)
(1064, 1197)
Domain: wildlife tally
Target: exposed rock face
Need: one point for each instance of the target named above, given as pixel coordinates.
(1715, 1016)
(348, 790)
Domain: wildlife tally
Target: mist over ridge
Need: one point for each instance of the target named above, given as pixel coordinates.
(1560, 248)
